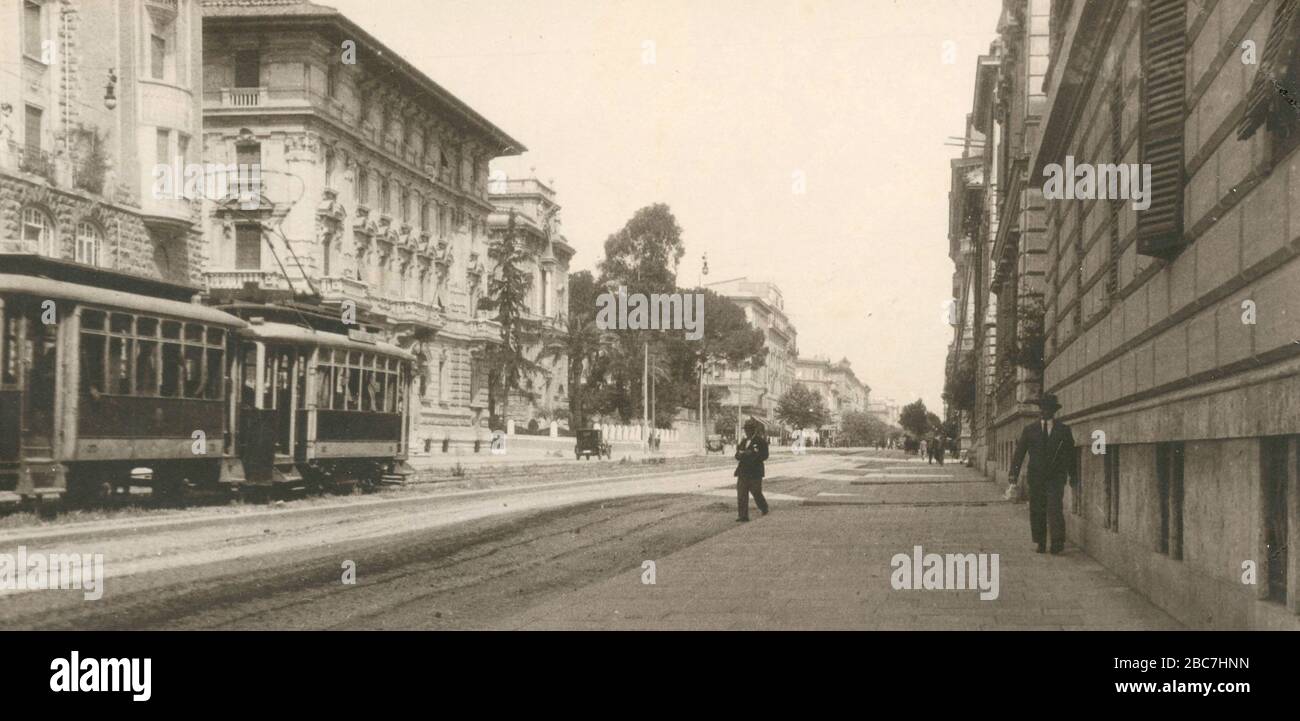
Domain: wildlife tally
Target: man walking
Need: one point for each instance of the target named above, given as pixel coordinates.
(750, 454)
(1050, 446)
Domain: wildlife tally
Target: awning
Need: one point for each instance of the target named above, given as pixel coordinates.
(37, 287)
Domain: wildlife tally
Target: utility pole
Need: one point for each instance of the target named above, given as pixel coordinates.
(645, 396)
(704, 436)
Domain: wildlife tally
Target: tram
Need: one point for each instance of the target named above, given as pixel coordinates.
(102, 388)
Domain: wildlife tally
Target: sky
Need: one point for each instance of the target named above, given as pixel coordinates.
(797, 141)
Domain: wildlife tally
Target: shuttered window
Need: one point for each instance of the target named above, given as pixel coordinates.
(1164, 40)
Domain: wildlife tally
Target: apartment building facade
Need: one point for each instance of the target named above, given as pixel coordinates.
(93, 95)
(758, 390)
(374, 196)
(1173, 331)
(997, 244)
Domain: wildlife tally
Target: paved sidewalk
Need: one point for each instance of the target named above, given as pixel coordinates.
(823, 561)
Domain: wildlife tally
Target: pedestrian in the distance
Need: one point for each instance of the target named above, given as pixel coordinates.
(750, 454)
(939, 448)
(1050, 447)
(922, 452)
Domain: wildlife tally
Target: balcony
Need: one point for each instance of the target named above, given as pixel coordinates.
(412, 311)
(245, 97)
(28, 160)
(335, 289)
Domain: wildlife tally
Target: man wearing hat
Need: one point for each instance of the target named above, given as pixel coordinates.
(1050, 446)
(751, 451)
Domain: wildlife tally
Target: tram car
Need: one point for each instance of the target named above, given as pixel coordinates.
(109, 382)
(318, 404)
(102, 389)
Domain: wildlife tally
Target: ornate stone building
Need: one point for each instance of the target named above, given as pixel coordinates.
(92, 96)
(996, 238)
(374, 194)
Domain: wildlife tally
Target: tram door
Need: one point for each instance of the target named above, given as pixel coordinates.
(39, 353)
(256, 419)
(282, 372)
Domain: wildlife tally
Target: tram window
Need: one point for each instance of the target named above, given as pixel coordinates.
(340, 389)
(92, 364)
(146, 327)
(249, 374)
(92, 320)
(171, 369)
(119, 365)
(368, 390)
(146, 367)
(193, 372)
(123, 324)
(324, 386)
(216, 374)
(268, 382)
(300, 381)
(354, 389)
(216, 336)
(193, 332)
(171, 329)
(390, 393)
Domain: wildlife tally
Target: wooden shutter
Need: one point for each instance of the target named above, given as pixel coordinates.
(1164, 40)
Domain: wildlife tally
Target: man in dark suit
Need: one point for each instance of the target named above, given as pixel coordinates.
(1050, 446)
(751, 451)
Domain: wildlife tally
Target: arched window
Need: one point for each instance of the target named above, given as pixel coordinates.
(89, 241)
(38, 232)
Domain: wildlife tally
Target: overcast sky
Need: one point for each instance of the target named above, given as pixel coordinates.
(720, 108)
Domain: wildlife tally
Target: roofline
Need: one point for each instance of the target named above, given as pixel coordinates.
(215, 17)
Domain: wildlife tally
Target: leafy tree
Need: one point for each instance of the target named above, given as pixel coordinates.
(802, 408)
(508, 291)
(644, 255)
(914, 419)
(863, 429)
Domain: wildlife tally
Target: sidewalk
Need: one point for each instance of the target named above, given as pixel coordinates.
(822, 561)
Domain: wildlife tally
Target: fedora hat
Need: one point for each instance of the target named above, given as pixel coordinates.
(1049, 400)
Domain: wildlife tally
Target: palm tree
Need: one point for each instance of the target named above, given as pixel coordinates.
(581, 343)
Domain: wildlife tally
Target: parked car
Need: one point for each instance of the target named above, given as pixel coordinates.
(590, 443)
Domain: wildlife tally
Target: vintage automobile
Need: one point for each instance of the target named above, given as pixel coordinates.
(590, 443)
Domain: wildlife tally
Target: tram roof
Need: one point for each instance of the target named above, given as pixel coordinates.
(288, 333)
(114, 299)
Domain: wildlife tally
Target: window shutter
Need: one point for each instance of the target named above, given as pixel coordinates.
(1164, 39)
